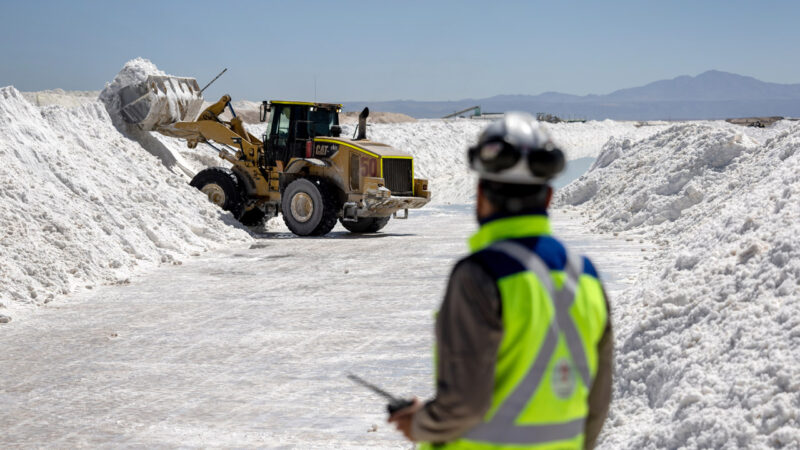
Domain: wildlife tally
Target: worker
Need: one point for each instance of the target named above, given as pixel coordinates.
(523, 336)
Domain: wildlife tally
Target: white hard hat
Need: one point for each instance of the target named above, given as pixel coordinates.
(516, 150)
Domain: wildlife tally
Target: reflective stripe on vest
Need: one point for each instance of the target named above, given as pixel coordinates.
(501, 429)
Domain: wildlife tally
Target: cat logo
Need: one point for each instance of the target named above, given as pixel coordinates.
(325, 148)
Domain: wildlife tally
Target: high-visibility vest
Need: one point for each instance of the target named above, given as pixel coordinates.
(553, 319)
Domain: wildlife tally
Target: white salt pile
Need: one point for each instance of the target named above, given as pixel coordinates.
(61, 97)
(584, 140)
(440, 147)
(708, 347)
(84, 205)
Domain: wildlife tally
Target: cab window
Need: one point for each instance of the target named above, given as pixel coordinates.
(280, 126)
(322, 120)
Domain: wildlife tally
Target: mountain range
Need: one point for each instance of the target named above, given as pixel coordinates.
(711, 95)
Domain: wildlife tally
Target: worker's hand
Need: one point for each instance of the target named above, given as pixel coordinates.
(402, 419)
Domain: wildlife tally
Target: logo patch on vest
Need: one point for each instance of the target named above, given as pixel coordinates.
(563, 378)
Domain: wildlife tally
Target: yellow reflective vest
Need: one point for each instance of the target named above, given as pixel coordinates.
(554, 314)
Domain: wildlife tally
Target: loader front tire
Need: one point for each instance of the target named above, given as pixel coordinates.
(365, 224)
(222, 188)
(309, 207)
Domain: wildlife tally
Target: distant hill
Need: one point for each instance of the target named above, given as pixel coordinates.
(710, 95)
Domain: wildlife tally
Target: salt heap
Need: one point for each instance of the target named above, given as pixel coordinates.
(440, 147)
(708, 346)
(84, 205)
(61, 97)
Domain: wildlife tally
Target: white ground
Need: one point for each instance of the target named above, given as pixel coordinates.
(247, 345)
(250, 346)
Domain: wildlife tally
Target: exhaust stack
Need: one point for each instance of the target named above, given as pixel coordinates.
(362, 124)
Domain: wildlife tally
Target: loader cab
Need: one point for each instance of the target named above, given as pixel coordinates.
(294, 125)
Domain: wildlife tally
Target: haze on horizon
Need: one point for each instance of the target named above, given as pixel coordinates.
(358, 50)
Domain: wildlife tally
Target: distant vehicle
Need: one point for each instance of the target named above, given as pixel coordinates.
(755, 122)
(552, 118)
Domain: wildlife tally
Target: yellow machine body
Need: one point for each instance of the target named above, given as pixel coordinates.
(368, 179)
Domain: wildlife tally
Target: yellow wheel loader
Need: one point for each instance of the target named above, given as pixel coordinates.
(302, 167)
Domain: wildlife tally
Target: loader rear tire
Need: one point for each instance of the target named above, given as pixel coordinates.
(309, 207)
(222, 188)
(366, 224)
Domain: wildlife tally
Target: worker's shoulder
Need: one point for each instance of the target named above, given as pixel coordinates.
(471, 266)
(552, 252)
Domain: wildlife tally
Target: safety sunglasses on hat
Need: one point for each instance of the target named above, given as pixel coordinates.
(497, 156)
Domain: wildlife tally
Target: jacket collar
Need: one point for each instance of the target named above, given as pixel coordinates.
(499, 228)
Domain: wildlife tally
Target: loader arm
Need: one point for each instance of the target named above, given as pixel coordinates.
(210, 128)
(247, 145)
(214, 110)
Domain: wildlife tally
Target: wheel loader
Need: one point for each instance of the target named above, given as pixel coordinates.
(301, 168)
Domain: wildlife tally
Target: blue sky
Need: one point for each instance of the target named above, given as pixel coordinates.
(380, 50)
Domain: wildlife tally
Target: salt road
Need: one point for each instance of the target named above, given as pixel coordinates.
(250, 346)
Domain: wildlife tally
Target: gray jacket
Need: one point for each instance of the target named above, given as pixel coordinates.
(469, 329)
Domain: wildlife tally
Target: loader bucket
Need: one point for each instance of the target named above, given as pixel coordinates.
(160, 101)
